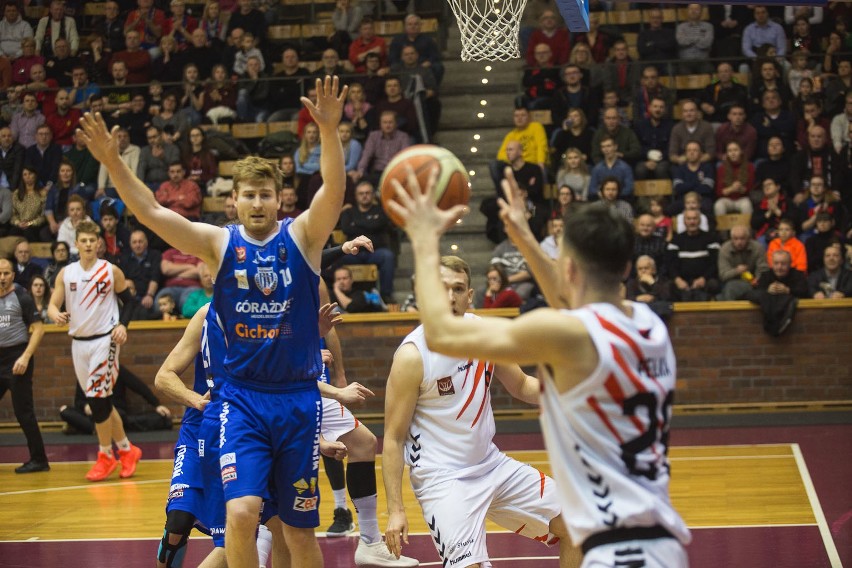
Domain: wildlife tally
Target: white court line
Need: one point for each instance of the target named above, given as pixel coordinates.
(88, 486)
(513, 559)
(824, 529)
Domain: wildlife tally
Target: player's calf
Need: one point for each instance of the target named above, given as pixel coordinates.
(175, 536)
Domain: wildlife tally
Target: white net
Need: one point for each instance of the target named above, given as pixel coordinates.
(489, 28)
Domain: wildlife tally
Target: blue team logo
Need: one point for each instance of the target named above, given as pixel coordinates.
(282, 253)
(266, 279)
(263, 259)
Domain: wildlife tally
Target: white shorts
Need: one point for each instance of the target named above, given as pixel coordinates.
(96, 365)
(514, 495)
(656, 553)
(336, 420)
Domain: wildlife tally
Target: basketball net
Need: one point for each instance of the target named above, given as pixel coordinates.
(489, 28)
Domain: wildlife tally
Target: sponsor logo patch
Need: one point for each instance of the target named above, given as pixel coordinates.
(445, 386)
(200, 448)
(305, 504)
(242, 279)
(227, 459)
(266, 279)
(241, 253)
(301, 486)
(73, 286)
(282, 253)
(229, 473)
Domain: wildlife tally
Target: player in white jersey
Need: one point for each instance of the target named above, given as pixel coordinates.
(90, 289)
(438, 416)
(609, 373)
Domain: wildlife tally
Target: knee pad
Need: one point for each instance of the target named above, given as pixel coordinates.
(101, 408)
(171, 555)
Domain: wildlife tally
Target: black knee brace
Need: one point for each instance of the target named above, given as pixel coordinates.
(361, 479)
(334, 471)
(177, 523)
(101, 408)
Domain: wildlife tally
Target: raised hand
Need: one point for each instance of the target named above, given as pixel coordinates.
(328, 318)
(102, 143)
(329, 106)
(417, 207)
(355, 245)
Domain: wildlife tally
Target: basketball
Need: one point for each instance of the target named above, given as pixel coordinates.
(452, 187)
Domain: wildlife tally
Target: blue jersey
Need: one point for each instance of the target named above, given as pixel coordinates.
(267, 298)
(212, 341)
(323, 378)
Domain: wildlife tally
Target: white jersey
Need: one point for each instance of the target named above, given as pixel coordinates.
(607, 438)
(453, 425)
(90, 299)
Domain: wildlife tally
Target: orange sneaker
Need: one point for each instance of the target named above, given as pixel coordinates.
(105, 465)
(129, 459)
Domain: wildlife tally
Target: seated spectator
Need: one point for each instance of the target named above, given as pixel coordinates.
(53, 26)
(621, 74)
(367, 41)
(181, 276)
(625, 139)
(68, 228)
(307, 160)
(64, 122)
(654, 135)
(181, 195)
(565, 203)
(253, 93)
(763, 31)
(648, 286)
(693, 175)
(116, 236)
(741, 261)
(22, 64)
(734, 183)
(147, 22)
(249, 19)
(26, 121)
(610, 189)
(357, 112)
(352, 149)
(180, 25)
(596, 41)
(649, 89)
(13, 29)
(691, 129)
(776, 167)
(168, 66)
(799, 71)
(136, 58)
(498, 294)
(826, 234)
(609, 100)
(109, 30)
(5, 211)
(39, 291)
(204, 52)
(777, 293)
(346, 18)
(44, 156)
(288, 171)
(648, 243)
(656, 207)
(381, 146)
(136, 120)
(214, 22)
(819, 201)
(656, 42)
(611, 166)
(406, 115)
(28, 219)
(290, 83)
(695, 41)
(722, 94)
(141, 266)
(574, 133)
(200, 296)
(507, 256)
(247, 51)
(289, 204)
(550, 244)
(527, 175)
(118, 94)
(833, 280)
(811, 117)
(574, 95)
(167, 307)
(228, 215)
(198, 160)
(332, 65)
(552, 34)
(155, 159)
(806, 93)
(173, 124)
(218, 101)
(739, 131)
(59, 67)
(192, 91)
(773, 120)
(368, 218)
(691, 202)
(817, 159)
(694, 261)
(839, 127)
(349, 299)
(60, 252)
(25, 267)
(769, 212)
(787, 241)
(427, 49)
(11, 159)
(574, 174)
(373, 80)
(421, 87)
(304, 117)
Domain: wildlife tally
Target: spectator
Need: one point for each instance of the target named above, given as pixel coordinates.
(693, 175)
(373, 80)
(551, 243)
(819, 201)
(288, 171)
(28, 210)
(5, 211)
(129, 155)
(656, 43)
(368, 218)
(141, 266)
(181, 277)
(11, 159)
(734, 183)
(136, 121)
(824, 235)
(575, 95)
(84, 165)
(118, 95)
(13, 29)
(695, 41)
(253, 92)
(351, 300)
(691, 202)
(694, 261)
(357, 112)
(763, 31)
(427, 48)
(811, 116)
(135, 57)
(406, 114)
(168, 66)
(648, 286)
(156, 158)
(741, 261)
(507, 256)
(167, 307)
(649, 89)
(611, 166)
(721, 95)
(60, 65)
(56, 205)
(527, 175)
(289, 204)
(498, 293)
(787, 241)
(172, 123)
(59, 253)
(574, 133)
(770, 210)
(25, 268)
(736, 130)
(574, 174)
(775, 167)
(767, 75)
(691, 129)
(840, 125)
(54, 26)
(565, 203)
(44, 156)
(777, 293)
(610, 189)
(290, 84)
(332, 65)
(68, 228)
(551, 33)
(621, 74)
(625, 139)
(596, 40)
(26, 121)
(148, 22)
(352, 149)
(647, 243)
(181, 195)
(203, 52)
(180, 25)
(654, 135)
(421, 87)
(656, 207)
(248, 19)
(198, 160)
(381, 146)
(248, 49)
(229, 212)
(200, 296)
(346, 19)
(832, 281)
(111, 27)
(64, 122)
(367, 41)
(307, 159)
(799, 71)
(192, 97)
(818, 158)
(304, 117)
(116, 237)
(218, 101)
(22, 66)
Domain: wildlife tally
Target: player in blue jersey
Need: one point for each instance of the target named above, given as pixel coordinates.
(266, 301)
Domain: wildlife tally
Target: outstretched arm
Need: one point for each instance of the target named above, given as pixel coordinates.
(198, 239)
(168, 379)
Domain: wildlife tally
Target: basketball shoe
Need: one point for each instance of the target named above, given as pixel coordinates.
(129, 459)
(342, 524)
(105, 465)
(378, 555)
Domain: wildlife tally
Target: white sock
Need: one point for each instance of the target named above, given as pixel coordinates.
(368, 523)
(339, 498)
(106, 449)
(124, 444)
(264, 544)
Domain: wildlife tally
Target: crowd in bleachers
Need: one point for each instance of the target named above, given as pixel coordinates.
(699, 119)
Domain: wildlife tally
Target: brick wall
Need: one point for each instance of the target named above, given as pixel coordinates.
(723, 357)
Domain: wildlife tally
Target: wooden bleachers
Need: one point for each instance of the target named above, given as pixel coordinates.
(40, 250)
(652, 188)
(213, 205)
(364, 273)
(726, 222)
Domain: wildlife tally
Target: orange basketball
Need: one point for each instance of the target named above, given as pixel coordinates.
(452, 187)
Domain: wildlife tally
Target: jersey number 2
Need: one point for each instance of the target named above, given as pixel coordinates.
(632, 448)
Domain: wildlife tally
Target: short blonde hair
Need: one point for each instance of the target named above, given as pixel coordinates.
(88, 228)
(456, 264)
(256, 169)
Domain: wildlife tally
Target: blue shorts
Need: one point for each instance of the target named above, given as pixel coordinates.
(186, 490)
(273, 438)
(214, 498)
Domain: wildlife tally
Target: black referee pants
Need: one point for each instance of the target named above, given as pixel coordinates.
(22, 398)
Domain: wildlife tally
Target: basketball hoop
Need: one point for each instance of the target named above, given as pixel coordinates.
(489, 28)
